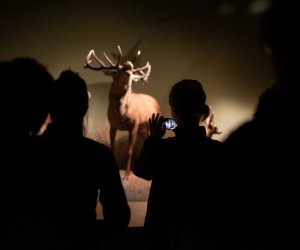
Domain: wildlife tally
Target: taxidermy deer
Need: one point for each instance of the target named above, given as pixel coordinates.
(127, 110)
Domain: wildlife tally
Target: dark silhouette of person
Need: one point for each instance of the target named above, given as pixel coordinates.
(180, 204)
(25, 99)
(24, 104)
(76, 171)
(262, 160)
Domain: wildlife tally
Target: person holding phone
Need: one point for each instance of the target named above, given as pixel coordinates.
(180, 169)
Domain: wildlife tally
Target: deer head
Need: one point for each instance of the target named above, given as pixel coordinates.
(140, 73)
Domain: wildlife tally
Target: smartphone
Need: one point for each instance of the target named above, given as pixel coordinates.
(170, 124)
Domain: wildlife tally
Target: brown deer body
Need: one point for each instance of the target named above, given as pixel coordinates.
(127, 111)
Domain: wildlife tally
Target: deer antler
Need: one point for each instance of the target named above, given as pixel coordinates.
(139, 73)
(102, 66)
(137, 55)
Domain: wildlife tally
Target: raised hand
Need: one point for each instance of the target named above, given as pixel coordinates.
(210, 126)
(156, 125)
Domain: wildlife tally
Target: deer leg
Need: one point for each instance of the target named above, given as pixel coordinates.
(112, 137)
(131, 142)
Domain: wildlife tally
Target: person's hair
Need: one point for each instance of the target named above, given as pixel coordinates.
(278, 30)
(70, 99)
(187, 98)
(278, 24)
(25, 101)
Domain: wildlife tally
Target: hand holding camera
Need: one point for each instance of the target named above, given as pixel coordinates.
(210, 126)
(169, 123)
(156, 126)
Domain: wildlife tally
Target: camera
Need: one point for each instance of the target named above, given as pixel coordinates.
(170, 124)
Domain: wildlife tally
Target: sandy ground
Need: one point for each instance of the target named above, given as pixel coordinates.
(137, 191)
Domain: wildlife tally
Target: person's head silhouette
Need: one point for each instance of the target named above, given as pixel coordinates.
(279, 31)
(25, 100)
(187, 101)
(70, 100)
